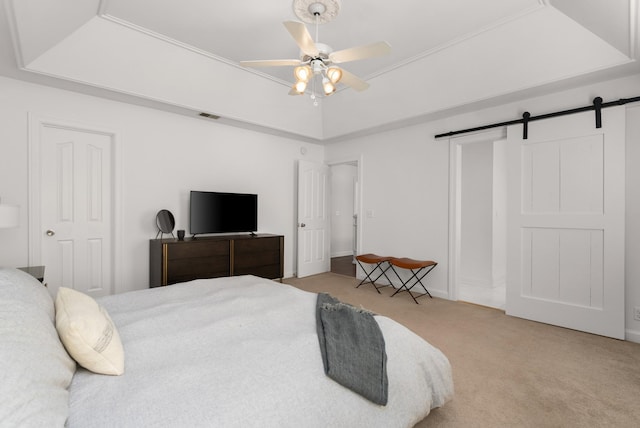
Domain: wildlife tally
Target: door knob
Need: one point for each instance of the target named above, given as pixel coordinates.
(50, 232)
(302, 225)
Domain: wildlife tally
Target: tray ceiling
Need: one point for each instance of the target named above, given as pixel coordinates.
(446, 54)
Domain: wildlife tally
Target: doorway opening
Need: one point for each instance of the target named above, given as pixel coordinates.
(480, 224)
(344, 206)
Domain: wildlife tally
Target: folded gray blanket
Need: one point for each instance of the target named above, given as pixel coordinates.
(352, 348)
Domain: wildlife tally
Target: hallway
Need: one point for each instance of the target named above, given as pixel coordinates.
(343, 266)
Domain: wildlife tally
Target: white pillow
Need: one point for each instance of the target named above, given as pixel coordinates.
(35, 369)
(87, 332)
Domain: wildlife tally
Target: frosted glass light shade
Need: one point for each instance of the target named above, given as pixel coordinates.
(334, 74)
(302, 73)
(300, 86)
(9, 216)
(329, 88)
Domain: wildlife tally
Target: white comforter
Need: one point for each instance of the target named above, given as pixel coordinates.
(242, 352)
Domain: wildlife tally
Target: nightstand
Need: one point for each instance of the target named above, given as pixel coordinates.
(36, 271)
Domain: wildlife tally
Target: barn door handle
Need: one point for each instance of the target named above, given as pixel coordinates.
(50, 232)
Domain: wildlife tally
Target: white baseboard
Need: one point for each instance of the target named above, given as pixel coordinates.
(632, 335)
(439, 293)
(342, 253)
(435, 293)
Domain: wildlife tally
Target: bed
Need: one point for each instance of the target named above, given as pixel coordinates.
(228, 352)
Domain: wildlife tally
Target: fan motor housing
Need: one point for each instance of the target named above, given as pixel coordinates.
(324, 51)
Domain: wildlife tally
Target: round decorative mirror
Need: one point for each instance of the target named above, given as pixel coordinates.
(165, 222)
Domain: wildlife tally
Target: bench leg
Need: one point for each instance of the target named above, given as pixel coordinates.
(368, 279)
(418, 280)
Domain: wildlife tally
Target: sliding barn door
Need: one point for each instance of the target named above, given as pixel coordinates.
(566, 222)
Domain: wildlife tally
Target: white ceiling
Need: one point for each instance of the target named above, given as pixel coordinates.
(447, 55)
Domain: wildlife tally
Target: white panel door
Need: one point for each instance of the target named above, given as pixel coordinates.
(566, 222)
(313, 219)
(76, 219)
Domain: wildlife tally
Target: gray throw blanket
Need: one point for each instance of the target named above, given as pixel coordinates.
(352, 348)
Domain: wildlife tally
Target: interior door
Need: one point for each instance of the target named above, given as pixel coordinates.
(313, 219)
(76, 211)
(566, 206)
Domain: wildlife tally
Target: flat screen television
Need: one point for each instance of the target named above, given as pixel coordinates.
(216, 212)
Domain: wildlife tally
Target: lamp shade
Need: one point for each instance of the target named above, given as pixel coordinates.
(9, 216)
(302, 73)
(300, 86)
(334, 74)
(329, 88)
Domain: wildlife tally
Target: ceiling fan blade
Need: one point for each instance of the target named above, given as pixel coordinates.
(353, 81)
(271, 63)
(302, 37)
(360, 52)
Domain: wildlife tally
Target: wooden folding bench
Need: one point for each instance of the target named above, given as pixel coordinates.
(418, 268)
(381, 263)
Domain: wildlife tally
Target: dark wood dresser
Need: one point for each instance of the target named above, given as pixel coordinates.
(172, 261)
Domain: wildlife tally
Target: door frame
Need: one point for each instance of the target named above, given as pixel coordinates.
(36, 123)
(455, 200)
(357, 197)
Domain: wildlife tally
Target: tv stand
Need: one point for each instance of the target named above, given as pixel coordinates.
(172, 261)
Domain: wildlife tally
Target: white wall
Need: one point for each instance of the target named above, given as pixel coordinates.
(404, 174)
(476, 223)
(404, 196)
(483, 214)
(163, 156)
(405, 183)
(343, 178)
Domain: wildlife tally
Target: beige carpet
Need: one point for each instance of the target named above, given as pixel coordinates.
(510, 372)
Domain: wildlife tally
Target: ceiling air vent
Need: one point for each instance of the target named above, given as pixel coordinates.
(210, 116)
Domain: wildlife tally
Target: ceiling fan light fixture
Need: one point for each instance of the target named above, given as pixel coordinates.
(315, 64)
(334, 74)
(302, 73)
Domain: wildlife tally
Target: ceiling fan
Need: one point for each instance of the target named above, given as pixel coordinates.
(319, 59)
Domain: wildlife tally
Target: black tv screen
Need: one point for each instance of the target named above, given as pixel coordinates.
(215, 212)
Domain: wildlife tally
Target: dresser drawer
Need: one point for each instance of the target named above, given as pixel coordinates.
(180, 250)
